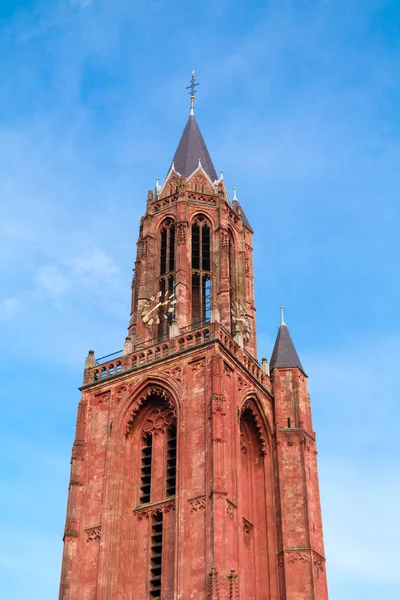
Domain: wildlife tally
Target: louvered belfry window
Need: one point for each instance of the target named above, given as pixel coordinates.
(201, 270)
(156, 490)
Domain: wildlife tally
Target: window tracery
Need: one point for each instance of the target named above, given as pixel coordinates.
(201, 269)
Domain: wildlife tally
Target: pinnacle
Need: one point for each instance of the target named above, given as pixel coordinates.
(192, 151)
(284, 353)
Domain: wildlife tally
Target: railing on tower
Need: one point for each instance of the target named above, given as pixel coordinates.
(161, 347)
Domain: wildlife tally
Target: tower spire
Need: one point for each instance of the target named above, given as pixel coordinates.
(192, 87)
(284, 353)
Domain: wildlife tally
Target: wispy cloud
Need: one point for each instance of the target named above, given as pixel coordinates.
(51, 281)
(9, 308)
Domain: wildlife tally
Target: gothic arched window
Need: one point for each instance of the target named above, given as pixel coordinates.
(201, 269)
(254, 485)
(232, 273)
(167, 271)
(167, 250)
(153, 440)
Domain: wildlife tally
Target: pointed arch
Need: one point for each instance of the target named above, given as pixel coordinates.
(148, 424)
(256, 495)
(201, 268)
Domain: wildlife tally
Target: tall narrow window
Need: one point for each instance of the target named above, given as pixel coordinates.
(153, 443)
(156, 555)
(232, 275)
(166, 279)
(145, 470)
(201, 270)
(167, 249)
(254, 490)
(171, 460)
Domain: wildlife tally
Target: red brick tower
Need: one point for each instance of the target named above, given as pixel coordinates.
(194, 471)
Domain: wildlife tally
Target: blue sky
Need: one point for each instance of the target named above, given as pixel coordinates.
(298, 104)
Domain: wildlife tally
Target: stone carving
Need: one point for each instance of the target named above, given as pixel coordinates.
(230, 509)
(159, 420)
(78, 449)
(247, 266)
(181, 233)
(198, 366)
(213, 589)
(251, 407)
(120, 392)
(218, 404)
(294, 557)
(319, 563)
(175, 373)
(233, 585)
(247, 526)
(144, 248)
(241, 383)
(148, 513)
(103, 398)
(197, 504)
(227, 371)
(224, 241)
(154, 390)
(93, 534)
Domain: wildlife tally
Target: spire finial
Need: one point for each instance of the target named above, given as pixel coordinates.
(192, 87)
(283, 315)
(234, 194)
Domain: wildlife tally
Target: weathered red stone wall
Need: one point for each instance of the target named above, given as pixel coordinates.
(245, 523)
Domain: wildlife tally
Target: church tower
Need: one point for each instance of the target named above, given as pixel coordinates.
(194, 467)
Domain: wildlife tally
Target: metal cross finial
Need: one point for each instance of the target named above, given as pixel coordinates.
(192, 87)
(282, 316)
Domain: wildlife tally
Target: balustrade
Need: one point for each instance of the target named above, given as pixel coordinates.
(187, 339)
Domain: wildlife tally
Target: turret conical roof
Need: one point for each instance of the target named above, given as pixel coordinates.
(191, 149)
(284, 353)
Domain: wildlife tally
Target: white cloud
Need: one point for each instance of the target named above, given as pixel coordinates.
(97, 263)
(52, 281)
(9, 307)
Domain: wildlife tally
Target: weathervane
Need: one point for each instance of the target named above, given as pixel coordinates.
(192, 87)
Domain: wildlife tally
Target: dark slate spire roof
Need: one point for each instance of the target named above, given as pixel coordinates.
(235, 205)
(190, 149)
(284, 353)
